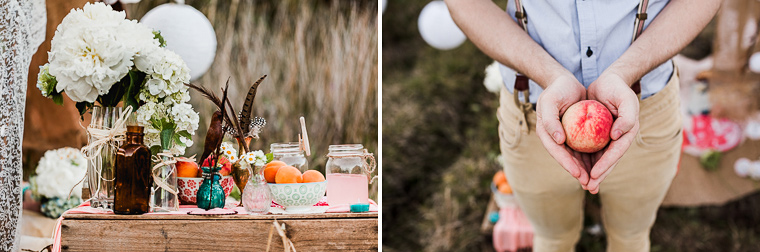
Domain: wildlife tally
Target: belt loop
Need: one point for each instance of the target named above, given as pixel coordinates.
(521, 86)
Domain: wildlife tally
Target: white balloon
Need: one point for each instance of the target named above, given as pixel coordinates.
(742, 166)
(187, 32)
(437, 28)
(754, 62)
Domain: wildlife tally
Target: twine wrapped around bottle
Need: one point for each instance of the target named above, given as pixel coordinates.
(161, 182)
(110, 136)
(368, 168)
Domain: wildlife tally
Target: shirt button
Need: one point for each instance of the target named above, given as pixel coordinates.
(589, 52)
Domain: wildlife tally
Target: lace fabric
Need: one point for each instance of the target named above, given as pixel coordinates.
(22, 30)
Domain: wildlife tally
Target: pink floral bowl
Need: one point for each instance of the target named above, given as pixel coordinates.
(188, 188)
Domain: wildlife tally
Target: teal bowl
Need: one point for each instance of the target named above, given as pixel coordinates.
(298, 197)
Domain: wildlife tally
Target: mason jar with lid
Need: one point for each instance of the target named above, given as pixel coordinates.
(290, 153)
(348, 174)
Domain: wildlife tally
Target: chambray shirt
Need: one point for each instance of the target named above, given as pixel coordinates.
(586, 36)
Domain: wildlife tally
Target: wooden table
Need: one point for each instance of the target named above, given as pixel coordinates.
(312, 232)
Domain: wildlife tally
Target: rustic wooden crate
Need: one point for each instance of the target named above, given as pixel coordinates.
(312, 232)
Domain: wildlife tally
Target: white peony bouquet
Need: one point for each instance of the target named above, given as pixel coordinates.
(99, 56)
(57, 173)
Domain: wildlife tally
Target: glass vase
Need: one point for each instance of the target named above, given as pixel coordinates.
(164, 182)
(257, 197)
(100, 170)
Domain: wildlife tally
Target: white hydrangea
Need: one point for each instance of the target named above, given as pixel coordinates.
(181, 115)
(185, 117)
(166, 76)
(93, 48)
(58, 171)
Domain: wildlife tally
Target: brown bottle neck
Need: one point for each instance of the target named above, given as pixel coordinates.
(135, 138)
(135, 135)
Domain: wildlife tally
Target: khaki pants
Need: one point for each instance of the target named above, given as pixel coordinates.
(631, 194)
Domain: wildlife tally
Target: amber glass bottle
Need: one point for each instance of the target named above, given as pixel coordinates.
(133, 176)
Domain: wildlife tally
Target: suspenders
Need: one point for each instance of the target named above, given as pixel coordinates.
(638, 27)
(521, 81)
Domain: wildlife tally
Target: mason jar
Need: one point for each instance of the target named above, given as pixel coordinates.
(291, 154)
(348, 174)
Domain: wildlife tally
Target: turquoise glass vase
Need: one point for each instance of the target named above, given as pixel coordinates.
(210, 193)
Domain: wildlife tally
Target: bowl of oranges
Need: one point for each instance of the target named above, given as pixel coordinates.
(294, 190)
(502, 191)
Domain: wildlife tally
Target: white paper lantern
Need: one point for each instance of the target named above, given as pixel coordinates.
(754, 62)
(437, 28)
(187, 32)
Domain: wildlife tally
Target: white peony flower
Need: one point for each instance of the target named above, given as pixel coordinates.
(94, 47)
(58, 171)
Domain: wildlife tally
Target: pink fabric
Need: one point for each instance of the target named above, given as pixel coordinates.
(86, 209)
(512, 231)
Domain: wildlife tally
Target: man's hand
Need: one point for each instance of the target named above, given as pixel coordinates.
(612, 91)
(559, 95)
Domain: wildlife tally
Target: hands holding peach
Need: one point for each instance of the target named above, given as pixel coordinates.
(593, 134)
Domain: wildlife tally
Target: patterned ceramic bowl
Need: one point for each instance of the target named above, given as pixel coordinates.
(188, 188)
(298, 197)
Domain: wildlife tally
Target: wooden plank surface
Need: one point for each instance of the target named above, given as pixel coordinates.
(231, 233)
(221, 217)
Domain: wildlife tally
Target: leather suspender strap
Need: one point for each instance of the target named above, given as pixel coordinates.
(521, 81)
(638, 27)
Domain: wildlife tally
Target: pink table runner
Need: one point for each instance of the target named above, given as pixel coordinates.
(184, 209)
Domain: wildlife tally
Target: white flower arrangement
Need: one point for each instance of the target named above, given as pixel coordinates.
(93, 49)
(58, 171)
(97, 55)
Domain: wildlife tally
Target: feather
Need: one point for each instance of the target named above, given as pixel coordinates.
(221, 139)
(207, 94)
(246, 113)
(214, 99)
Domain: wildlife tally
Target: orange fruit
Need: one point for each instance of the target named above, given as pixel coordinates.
(505, 188)
(288, 175)
(499, 178)
(270, 170)
(313, 176)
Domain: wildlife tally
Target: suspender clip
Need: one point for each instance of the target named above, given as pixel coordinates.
(641, 16)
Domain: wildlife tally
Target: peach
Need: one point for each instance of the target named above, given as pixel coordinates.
(288, 175)
(270, 170)
(505, 188)
(313, 176)
(587, 126)
(499, 178)
(188, 170)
